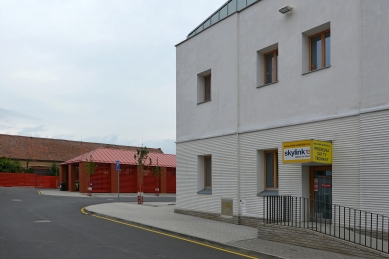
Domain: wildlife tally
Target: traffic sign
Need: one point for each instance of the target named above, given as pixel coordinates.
(118, 165)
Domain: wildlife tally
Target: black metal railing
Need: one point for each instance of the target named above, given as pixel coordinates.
(353, 225)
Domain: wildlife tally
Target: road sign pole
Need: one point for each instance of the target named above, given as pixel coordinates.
(118, 169)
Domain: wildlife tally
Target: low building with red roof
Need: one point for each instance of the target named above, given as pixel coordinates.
(40, 153)
(105, 177)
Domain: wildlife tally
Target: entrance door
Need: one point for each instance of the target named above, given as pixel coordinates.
(321, 192)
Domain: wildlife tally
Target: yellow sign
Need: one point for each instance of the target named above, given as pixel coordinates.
(307, 151)
(322, 152)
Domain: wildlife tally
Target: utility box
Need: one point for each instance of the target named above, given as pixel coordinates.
(227, 207)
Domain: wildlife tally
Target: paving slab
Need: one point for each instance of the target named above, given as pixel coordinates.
(236, 237)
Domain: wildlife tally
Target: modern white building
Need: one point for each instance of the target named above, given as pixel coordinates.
(264, 97)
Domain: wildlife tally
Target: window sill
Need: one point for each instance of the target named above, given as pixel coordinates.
(205, 191)
(272, 83)
(204, 102)
(312, 71)
(268, 193)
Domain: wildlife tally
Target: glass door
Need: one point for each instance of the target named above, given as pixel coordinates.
(321, 193)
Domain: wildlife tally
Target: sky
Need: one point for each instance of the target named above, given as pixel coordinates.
(94, 70)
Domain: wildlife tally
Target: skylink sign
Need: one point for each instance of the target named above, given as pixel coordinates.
(307, 151)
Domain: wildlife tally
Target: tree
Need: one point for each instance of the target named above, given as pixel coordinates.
(157, 172)
(9, 166)
(54, 169)
(142, 158)
(90, 168)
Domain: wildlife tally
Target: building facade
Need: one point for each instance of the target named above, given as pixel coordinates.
(252, 80)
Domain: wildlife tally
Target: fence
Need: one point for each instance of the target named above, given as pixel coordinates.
(28, 180)
(353, 225)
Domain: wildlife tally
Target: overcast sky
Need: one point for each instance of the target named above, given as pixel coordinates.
(96, 71)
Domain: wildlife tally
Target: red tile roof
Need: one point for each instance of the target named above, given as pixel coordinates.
(126, 157)
(43, 149)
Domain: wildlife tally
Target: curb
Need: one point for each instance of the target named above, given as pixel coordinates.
(236, 249)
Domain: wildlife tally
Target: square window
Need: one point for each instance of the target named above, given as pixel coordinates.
(267, 65)
(320, 50)
(271, 169)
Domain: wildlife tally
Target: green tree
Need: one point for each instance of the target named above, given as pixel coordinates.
(10, 166)
(90, 166)
(143, 160)
(158, 173)
(54, 169)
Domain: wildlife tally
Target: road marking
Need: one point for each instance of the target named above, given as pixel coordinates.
(169, 235)
(16, 200)
(42, 221)
(39, 192)
(110, 199)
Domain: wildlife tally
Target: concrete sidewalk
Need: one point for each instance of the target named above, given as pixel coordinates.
(161, 216)
(57, 192)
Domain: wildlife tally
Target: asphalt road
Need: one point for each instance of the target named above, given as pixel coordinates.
(38, 226)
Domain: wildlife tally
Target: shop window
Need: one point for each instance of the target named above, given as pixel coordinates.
(320, 50)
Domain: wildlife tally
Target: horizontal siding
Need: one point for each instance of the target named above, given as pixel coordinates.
(345, 136)
(224, 173)
(343, 132)
(374, 162)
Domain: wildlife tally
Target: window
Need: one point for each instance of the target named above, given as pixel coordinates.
(207, 88)
(204, 86)
(207, 172)
(271, 169)
(271, 66)
(320, 50)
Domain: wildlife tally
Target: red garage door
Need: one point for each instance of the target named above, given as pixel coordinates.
(101, 179)
(170, 180)
(128, 179)
(150, 182)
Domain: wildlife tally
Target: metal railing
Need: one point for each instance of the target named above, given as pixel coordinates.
(353, 225)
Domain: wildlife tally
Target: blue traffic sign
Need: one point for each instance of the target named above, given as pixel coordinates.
(118, 165)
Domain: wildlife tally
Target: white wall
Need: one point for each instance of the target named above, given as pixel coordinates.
(216, 49)
(343, 132)
(375, 53)
(297, 107)
(224, 174)
(298, 98)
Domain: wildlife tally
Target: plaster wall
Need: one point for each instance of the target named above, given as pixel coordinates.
(375, 54)
(214, 49)
(296, 97)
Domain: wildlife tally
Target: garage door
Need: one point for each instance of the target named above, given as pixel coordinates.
(128, 179)
(101, 179)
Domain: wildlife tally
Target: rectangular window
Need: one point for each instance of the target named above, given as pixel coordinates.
(207, 88)
(271, 67)
(320, 50)
(271, 169)
(207, 172)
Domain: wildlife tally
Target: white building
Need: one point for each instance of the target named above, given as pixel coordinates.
(251, 79)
